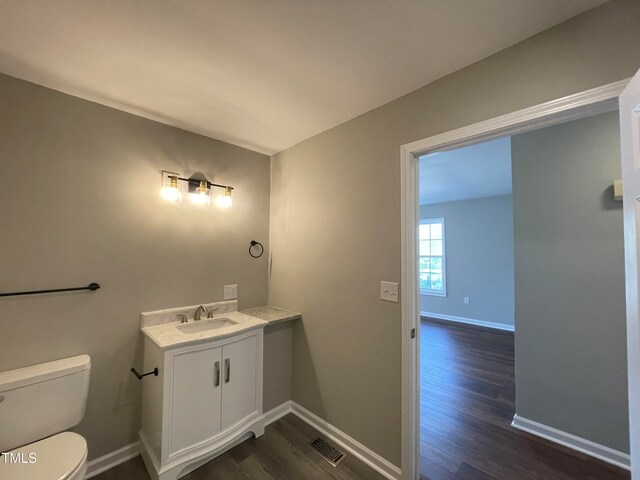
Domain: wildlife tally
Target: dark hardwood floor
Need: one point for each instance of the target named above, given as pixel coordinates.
(281, 453)
(467, 403)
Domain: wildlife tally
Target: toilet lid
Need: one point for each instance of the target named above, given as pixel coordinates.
(54, 458)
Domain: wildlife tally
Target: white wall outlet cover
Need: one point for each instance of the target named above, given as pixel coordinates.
(230, 292)
(389, 291)
(467, 301)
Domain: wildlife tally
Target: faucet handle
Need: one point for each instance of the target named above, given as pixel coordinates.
(182, 317)
(211, 310)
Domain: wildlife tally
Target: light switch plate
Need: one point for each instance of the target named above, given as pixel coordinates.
(230, 292)
(467, 300)
(389, 291)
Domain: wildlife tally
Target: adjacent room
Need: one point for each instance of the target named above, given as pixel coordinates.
(466, 273)
(506, 214)
(331, 240)
(467, 277)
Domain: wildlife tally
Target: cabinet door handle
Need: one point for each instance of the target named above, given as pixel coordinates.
(217, 384)
(227, 367)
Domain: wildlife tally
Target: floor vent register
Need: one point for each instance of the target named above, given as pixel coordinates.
(327, 451)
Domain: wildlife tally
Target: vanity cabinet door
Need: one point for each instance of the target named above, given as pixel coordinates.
(196, 397)
(239, 381)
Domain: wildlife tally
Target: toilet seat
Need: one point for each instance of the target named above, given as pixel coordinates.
(59, 457)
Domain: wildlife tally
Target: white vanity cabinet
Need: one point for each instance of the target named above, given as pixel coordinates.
(196, 397)
(206, 398)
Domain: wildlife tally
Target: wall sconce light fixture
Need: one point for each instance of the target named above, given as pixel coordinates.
(199, 190)
(201, 194)
(170, 189)
(225, 200)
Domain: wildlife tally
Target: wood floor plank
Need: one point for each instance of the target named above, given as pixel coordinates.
(467, 403)
(254, 468)
(467, 472)
(432, 471)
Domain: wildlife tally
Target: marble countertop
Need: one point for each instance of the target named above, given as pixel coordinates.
(170, 315)
(165, 331)
(169, 335)
(271, 315)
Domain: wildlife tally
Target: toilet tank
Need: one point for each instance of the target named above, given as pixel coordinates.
(41, 400)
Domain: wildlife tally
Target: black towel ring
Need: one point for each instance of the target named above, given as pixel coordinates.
(253, 244)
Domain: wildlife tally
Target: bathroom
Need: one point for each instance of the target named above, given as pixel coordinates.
(89, 179)
(158, 160)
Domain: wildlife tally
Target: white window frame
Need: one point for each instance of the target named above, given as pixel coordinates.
(435, 293)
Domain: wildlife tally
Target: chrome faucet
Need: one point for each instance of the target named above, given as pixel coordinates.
(199, 311)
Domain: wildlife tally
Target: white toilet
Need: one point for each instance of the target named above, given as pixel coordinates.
(36, 404)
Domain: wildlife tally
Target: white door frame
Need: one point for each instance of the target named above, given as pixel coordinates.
(629, 132)
(589, 102)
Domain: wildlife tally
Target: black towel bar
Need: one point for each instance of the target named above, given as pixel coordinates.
(92, 286)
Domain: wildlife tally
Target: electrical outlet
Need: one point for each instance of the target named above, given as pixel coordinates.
(230, 292)
(467, 301)
(389, 291)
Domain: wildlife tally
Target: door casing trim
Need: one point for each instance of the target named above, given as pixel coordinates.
(589, 102)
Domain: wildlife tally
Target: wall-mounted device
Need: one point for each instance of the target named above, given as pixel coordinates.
(617, 190)
(389, 291)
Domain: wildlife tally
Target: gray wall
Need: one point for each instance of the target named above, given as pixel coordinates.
(335, 213)
(277, 365)
(80, 202)
(479, 259)
(569, 278)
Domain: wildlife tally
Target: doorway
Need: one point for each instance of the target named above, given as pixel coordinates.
(466, 280)
(575, 107)
(567, 373)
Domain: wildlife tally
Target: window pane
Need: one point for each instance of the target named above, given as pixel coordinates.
(436, 231)
(424, 281)
(436, 264)
(424, 264)
(431, 263)
(436, 282)
(424, 231)
(436, 247)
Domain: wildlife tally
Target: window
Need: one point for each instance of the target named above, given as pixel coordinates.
(432, 260)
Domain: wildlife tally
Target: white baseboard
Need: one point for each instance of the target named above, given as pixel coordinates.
(110, 460)
(470, 321)
(355, 448)
(574, 442)
(375, 461)
(278, 412)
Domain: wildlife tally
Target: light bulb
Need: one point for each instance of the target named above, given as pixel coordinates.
(171, 192)
(225, 200)
(201, 195)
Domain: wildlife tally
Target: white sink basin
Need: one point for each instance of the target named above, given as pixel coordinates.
(225, 324)
(205, 325)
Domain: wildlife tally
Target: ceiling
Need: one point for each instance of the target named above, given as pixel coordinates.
(477, 171)
(260, 74)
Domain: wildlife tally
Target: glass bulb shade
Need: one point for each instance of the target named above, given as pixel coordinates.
(171, 192)
(225, 200)
(201, 195)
